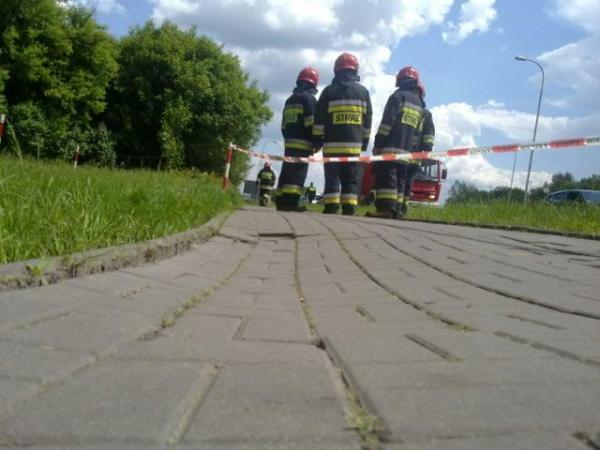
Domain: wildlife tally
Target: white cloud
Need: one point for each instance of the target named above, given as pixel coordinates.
(276, 38)
(475, 16)
(575, 67)
(102, 6)
(583, 13)
(461, 125)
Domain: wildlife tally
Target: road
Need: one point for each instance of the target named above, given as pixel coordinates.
(305, 331)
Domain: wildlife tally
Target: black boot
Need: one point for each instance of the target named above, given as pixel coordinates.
(381, 214)
(331, 209)
(348, 210)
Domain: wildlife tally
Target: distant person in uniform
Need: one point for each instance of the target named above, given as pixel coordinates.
(311, 193)
(266, 180)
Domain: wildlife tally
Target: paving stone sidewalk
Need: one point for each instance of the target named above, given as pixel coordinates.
(304, 331)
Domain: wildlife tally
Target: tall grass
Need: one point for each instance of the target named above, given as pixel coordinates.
(50, 209)
(581, 219)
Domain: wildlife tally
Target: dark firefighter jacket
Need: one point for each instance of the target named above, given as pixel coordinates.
(343, 117)
(425, 136)
(298, 119)
(311, 190)
(266, 178)
(400, 122)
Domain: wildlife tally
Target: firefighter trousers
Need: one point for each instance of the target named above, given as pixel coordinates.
(291, 181)
(341, 187)
(411, 171)
(390, 178)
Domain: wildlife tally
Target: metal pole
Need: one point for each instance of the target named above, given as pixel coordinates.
(537, 119)
(76, 158)
(227, 167)
(2, 119)
(512, 177)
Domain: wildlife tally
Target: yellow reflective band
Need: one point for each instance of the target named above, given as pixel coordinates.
(309, 121)
(318, 130)
(392, 150)
(298, 145)
(290, 115)
(347, 118)
(290, 190)
(384, 196)
(293, 110)
(410, 117)
(428, 139)
(347, 108)
(331, 200)
(342, 150)
(350, 201)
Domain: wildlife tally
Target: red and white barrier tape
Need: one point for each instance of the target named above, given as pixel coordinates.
(512, 148)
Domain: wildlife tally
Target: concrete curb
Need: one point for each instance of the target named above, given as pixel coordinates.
(44, 271)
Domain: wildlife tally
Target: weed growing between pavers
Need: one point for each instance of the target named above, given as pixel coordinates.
(170, 318)
(368, 426)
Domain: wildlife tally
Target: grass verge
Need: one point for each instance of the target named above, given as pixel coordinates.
(577, 219)
(50, 209)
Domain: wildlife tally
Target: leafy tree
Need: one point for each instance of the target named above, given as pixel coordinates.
(57, 63)
(592, 182)
(562, 181)
(179, 97)
(461, 192)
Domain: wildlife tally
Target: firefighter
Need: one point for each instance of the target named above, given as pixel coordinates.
(399, 124)
(265, 180)
(343, 127)
(296, 126)
(311, 193)
(422, 142)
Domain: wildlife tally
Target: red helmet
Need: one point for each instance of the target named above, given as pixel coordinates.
(346, 61)
(421, 88)
(309, 74)
(407, 72)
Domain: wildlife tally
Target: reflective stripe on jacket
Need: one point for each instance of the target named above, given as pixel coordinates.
(400, 122)
(425, 136)
(266, 177)
(298, 119)
(343, 117)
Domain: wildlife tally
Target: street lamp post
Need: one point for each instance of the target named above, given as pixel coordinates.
(537, 119)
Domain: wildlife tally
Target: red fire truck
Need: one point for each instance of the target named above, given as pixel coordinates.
(426, 187)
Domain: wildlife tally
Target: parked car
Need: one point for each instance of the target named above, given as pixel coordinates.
(574, 196)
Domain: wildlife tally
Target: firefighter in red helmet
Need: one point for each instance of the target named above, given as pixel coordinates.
(422, 142)
(397, 130)
(296, 126)
(343, 127)
(265, 180)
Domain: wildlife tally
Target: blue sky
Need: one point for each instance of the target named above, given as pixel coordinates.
(464, 49)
